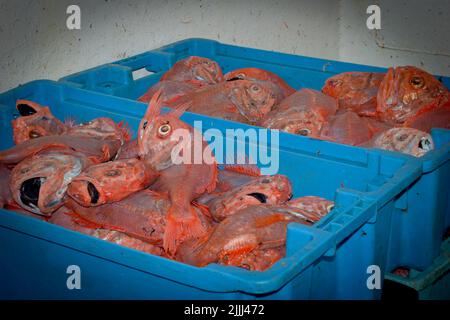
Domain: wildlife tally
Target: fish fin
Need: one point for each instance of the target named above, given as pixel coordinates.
(181, 109)
(227, 256)
(69, 122)
(125, 130)
(181, 224)
(247, 169)
(203, 208)
(154, 107)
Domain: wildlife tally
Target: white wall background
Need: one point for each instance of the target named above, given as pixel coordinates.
(36, 44)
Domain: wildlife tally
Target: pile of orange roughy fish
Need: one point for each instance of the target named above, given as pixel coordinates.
(393, 111)
(93, 179)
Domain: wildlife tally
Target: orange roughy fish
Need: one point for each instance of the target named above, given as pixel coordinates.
(255, 227)
(315, 207)
(355, 91)
(39, 182)
(142, 215)
(99, 139)
(275, 189)
(242, 100)
(348, 128)
(304, 113)
(66, 218)
(34, 121)
(436, 118)
(256, 260)
(111, 181)
(195, 70)
(406, 140)
(170, 90)
(95, 149)
(263, 75)
(157, 139)
(406, 92)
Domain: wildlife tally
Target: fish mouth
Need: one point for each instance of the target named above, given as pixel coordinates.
(261, 197)
(85, 193)
(425, 144)
(93, 193)
(29, 192)
(235, 78)
(25, 110)
(203, 74)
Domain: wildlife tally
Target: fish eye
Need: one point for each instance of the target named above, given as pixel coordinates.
(112, 173)
(164, 130)
(34, 134)
(402, 137)
(417, 82)
(255, 88)
(304, 132)
(424, 144)
(144, 125)
(335, 82)
(330, 207)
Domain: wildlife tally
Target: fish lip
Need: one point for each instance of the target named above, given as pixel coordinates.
(261, 197)
(25, 109)
(25, 200)
(88, 188)
(203, 74)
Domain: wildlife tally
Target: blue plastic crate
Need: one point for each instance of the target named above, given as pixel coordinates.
(328, 260)
(433, 283)
(420, 217)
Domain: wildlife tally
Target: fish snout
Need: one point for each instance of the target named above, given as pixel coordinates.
(86, 193)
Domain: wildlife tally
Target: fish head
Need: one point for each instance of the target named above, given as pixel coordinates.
(406, 140)
(98, 183)
(39, 183)
(315, 207)
(261, 190)
(247, 74)
(253, 99)
(406, 91)
(34, 121)
(101, 128)
(204, 70)
(160, 133)
(305, 122)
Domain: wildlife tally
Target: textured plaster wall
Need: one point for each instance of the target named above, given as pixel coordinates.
(36, 44)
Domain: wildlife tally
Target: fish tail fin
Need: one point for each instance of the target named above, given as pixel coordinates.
(182, 223)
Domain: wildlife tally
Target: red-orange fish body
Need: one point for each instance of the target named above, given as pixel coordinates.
(284, 89)
(255, 227)
(39, 183)
(406, 92)
(111, 181)
(244, 101)
(66, 218)
(142, 215)
(348, 128)
(34, 121)
(198, 71)
(170, 90)
(159, 134)
(275, 189)
(355, 91)
(304, 113)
